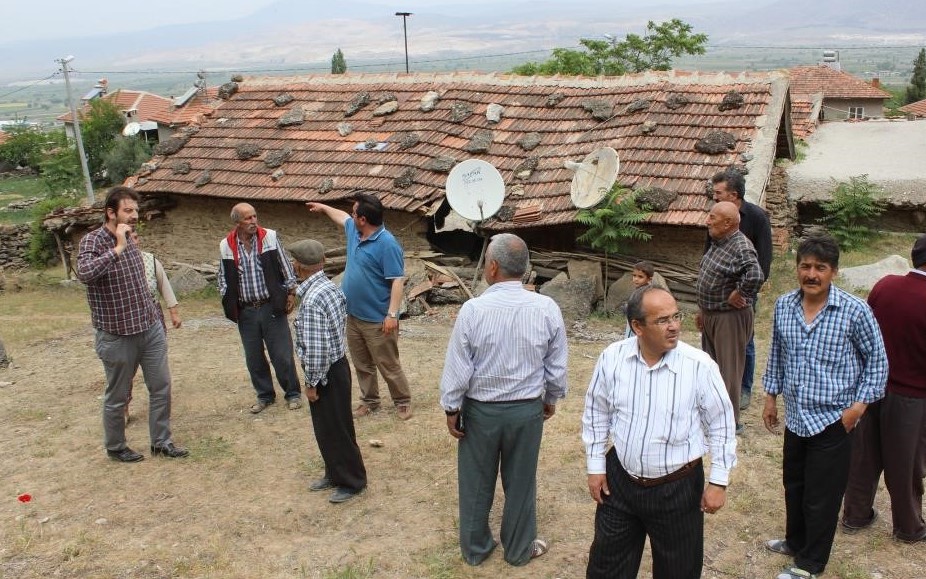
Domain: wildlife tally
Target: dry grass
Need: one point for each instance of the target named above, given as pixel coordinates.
(239, 506)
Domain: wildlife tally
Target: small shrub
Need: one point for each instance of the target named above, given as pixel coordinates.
(125, 157)
(42, 247)
(850, 210)
(614, 221)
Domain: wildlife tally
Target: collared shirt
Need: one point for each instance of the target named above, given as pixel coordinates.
(657, 417)
(253, 286)
(729, 264)
(823, 367)
(372, 265)
(507, 344)
(117, 290)
(319, 327)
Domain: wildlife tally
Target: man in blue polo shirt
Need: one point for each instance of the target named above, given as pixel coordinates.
(373, 283)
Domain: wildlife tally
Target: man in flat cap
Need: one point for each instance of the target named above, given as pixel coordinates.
(320, 344)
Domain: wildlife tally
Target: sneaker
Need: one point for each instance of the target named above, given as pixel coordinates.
(260, 406)
(294, 403)
(795, 573)
(851, 529)
(538, 548)
(363, 410)
(403, 411)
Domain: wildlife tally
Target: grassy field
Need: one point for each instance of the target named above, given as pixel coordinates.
(16, 189)
(239, 507)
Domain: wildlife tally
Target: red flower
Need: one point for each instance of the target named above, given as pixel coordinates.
(24, 498)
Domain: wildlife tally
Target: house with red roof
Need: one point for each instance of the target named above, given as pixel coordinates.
(280, 142)
(916, 110)
(844, 96)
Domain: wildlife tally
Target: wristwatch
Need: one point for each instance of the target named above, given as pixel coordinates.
(451, 412)
(393, 315)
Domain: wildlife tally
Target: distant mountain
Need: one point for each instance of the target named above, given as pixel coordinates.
(290, 33)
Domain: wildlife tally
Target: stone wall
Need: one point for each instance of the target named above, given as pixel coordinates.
(14, 242)
(782, 211)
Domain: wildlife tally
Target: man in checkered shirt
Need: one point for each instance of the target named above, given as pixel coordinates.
(827, 359)
(129, 331)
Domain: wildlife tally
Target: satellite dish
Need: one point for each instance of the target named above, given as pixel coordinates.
(131, 129)
(594, 177)
(475, 189)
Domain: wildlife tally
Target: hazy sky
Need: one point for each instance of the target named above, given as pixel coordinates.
(39, 19)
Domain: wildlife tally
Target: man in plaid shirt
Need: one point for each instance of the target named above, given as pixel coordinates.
(129, 332)
(320, 343)
(827, 359)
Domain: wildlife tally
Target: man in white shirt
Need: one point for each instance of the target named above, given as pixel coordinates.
(504, 372)
(655, 397)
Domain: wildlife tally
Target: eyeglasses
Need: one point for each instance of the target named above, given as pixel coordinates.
(664, 321)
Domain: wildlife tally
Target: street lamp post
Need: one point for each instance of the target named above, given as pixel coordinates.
(405, 15)
(80, 142)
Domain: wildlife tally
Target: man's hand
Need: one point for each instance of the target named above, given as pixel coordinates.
(122, 232)
(713, 499)
(333, 214)
(390, 325)
(598, 487)
(290, 303)
(737, 300)
(311, 394)
(548, 410)
(852, 415)
(174, 317)
(452, 426)
(770, 415)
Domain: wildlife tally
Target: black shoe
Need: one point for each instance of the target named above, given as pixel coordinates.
(169, 450)
(321, 484)
(342, 495)
(125, 455)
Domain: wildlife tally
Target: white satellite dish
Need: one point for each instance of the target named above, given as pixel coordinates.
(131, 129)
(475, 189)
(594, 177)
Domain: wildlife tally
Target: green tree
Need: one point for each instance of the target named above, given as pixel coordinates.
(917, 89)
(61, 172)
(850, 210)
(612, 222)
(99, 128)
(125, 157)
(338, 64)
(655, 50)
(25, 147)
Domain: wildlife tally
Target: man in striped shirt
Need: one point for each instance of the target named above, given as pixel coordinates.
(504, 372)
(827, 359)
(655, 398)
(321, 345)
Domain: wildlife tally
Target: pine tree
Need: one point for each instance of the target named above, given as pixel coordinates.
(338, 64)
(917, 89)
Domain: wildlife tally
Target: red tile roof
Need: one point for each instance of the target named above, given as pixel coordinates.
(805, 114)
(834, 84)
(152, 107)
(325, 166)
(918, 108)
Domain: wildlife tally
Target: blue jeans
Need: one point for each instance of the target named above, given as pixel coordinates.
(749, 369)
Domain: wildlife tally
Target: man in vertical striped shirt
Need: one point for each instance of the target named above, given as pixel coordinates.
(504, 372)
(655, 397)
(827, 359)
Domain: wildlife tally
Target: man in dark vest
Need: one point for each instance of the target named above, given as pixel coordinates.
(258, 288)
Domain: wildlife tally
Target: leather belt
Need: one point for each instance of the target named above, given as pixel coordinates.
(672, 476)
(253, 304)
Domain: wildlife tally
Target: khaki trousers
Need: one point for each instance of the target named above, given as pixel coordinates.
(724, 338)
(372, 350)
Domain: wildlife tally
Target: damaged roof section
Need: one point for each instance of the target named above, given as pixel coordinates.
(421, 125)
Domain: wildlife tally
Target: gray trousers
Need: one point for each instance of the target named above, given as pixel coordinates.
(121, 357)
(257, 327)
(503, 434)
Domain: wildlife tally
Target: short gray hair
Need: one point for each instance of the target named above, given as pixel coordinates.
(635, 303)
(511, 254)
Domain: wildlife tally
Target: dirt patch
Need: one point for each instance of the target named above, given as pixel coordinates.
(239, 505)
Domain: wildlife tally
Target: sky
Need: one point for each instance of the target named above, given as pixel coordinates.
(65, 18)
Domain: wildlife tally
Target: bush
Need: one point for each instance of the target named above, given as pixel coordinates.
(612, 222)
(61, 172)
(125, 157)
(850, 211)
(42, 247)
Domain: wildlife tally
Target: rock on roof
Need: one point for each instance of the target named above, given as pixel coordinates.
(834, 84)
(399, 135)
(918, 108)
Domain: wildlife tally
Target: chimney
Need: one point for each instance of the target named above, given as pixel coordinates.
(876, 82)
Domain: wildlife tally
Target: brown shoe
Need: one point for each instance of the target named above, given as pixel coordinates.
(363, 410)
(260, 406)
(403, 411)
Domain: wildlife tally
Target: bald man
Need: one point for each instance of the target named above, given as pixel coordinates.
(258, 288)
(728, 280)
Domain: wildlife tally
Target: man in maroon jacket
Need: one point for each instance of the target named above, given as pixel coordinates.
(892, 433)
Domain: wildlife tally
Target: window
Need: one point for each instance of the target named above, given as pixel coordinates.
(856, 112)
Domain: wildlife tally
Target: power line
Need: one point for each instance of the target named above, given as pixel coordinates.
(22, 88)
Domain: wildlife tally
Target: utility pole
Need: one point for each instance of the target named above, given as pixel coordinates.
(80, 142)
(405, 15)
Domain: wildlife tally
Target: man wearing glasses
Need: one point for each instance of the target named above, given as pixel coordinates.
(374, 283)
(655, 397)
